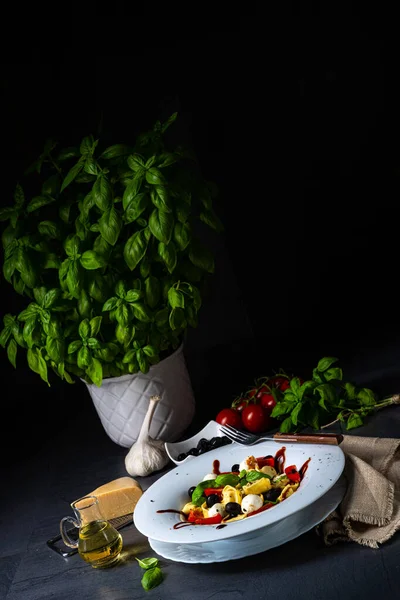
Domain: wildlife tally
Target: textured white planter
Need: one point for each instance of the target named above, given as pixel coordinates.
(122, 402)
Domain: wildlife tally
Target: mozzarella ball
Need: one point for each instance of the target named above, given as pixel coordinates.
(209, 476)
(251, 502)
(217, 509)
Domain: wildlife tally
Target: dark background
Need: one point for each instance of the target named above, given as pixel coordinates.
(298, 126)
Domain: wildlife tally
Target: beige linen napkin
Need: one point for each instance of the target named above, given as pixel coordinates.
(369, 513)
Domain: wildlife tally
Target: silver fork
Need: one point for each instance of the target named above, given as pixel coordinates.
(249, 439)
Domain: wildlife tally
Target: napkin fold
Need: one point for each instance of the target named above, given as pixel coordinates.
(369, 513)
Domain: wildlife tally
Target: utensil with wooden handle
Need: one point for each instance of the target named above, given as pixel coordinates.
(248, 439)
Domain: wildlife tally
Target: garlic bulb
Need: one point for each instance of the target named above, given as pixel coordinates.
(146, 455)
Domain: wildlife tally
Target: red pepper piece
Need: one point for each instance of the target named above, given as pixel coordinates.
(209, 491)
(209, 521)
(292, 474)
(259, 510)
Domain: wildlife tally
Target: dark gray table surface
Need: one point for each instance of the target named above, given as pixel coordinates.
(37, 491)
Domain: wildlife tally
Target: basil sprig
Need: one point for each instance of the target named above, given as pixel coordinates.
(323, 399)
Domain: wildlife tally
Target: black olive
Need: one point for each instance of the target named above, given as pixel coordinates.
(269, 456)
(214, 442)
(202, 444)
(201, 451)
(235, 467)
(225, 440)
(182, 456)
(233, 509)
(272, 495)
(191, 490)
(193, 452)
(212, 499)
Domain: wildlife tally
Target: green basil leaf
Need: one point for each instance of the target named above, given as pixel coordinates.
(5, 336)
(73, 278)
(334, 373)
(141, 312)
(29, 327)
(145, 267)
(6, 213)
(25, 267)
(110, 225)
(72, 174)
(169, 122)
(55, 348)
(227, 479)
(123, 333)
(51, 186)
(354, 421)
(122, 314)
(136, 162)
(325, 363)
(9, 268)
(133, 295)
(64, 211)
(19, 196)
(150, 351)
(93, 344)
(90, 260)
(201, 257)
(350, 390)
(210, 218)
(135, 248)
(132, 189)
(84, 357)
(38, 202)
(37, 363)
(87, 145)
(142, 361)
(286, 425)
(115, 151)
(98, 288)
(12, 353)
(50, 230)
(166, 159)
(84, 329)
(161, 225)
(161, 317)
(366, 397)
(152, 578)
(136, 206)
(282, 408)
(74, 346)
(182, 235)
(110, 304)
(95, 324)
(71, 245)
(168, 254)
(175, 298)
(31, 311)
(182, 210)
(129, 356)
(152, 291)
(68, 153)
(295, 413)
(102, 193)
(84, 304)
(147, 563)
(177, 319)
(159, 197)
(255, 476)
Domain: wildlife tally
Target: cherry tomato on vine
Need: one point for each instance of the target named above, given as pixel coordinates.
(229, 416)
(255, 418)
(262, 391)
(285, 385)
(268, 402)
(239, 407)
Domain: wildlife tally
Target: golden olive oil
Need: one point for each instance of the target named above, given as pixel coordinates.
(99, 544)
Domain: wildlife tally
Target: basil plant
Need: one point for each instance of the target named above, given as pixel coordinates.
(105, 251)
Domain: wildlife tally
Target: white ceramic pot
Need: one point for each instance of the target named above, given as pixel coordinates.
(122, 402)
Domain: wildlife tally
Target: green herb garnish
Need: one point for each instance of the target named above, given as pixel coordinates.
(152, 578)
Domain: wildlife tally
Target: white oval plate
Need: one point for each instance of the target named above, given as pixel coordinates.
(174, 449)
(264, 539)
(170, 491)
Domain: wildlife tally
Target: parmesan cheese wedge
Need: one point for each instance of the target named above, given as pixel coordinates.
(118, 497)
